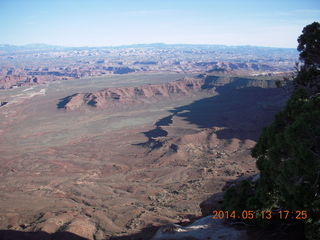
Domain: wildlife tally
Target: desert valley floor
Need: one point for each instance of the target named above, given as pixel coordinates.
(109, 171)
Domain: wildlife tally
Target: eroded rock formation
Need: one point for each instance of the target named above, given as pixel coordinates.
(125, 95)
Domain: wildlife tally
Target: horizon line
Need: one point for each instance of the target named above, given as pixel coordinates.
(137, 44)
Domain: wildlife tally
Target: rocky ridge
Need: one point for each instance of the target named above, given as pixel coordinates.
(111, 96)
(127, 95)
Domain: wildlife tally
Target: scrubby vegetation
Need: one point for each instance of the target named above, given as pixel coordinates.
(288, 151)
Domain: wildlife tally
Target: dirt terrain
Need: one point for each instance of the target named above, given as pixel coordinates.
(100, 172)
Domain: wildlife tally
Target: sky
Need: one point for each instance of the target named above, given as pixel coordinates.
(270, 23)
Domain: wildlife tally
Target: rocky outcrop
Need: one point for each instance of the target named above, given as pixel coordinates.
(204, 228)
(238, 67)
(17, 81)
(111, 96)
(125, 95)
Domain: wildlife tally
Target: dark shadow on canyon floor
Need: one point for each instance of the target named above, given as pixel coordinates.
(145, 234)
(242, 112)
(242, 108)
(18, 235)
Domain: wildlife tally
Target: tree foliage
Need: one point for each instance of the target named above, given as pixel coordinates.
(309, 45)
(288, 151)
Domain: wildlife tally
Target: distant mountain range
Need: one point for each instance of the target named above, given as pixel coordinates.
(39, 63)
(42, 46)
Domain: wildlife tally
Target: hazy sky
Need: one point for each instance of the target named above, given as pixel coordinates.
(275, 23)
